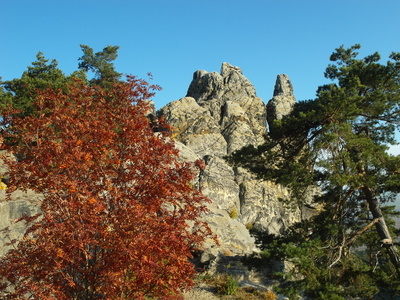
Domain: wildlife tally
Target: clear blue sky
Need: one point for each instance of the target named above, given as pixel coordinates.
(173, 38)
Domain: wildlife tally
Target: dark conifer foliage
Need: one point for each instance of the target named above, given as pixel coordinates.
(338, 143)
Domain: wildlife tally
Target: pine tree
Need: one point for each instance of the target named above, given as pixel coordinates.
(20, 93)
(101, 63)
(338, 142)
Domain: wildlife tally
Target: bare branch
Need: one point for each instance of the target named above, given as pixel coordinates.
(352, 240)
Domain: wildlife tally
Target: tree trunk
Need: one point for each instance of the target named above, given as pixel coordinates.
(382, 229)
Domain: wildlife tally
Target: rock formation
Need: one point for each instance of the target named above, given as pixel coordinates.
(220, 114)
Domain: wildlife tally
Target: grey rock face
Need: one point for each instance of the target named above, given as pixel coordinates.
(20, 204)
(220, 114)
(217, 182)
(189, 118)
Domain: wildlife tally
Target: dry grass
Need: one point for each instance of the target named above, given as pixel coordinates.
(215, 287)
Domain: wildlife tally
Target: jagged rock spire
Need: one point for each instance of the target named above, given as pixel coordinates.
(282, 101)
(223, 104)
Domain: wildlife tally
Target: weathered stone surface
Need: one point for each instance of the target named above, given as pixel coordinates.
(234, 238)
(207, 144)
(217, 182)
(260, 206)
(188, 118)
(238, 127)
(20, 204)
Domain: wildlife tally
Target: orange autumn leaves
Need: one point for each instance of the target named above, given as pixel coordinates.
(117, 202)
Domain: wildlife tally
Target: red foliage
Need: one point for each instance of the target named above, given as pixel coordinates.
(120, 214)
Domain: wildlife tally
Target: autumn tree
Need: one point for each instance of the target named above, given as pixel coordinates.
(120, 214)
(338, 143)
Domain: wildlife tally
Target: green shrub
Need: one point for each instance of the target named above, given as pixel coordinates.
(228, 285)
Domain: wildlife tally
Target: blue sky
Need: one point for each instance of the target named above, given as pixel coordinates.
(173, 38)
